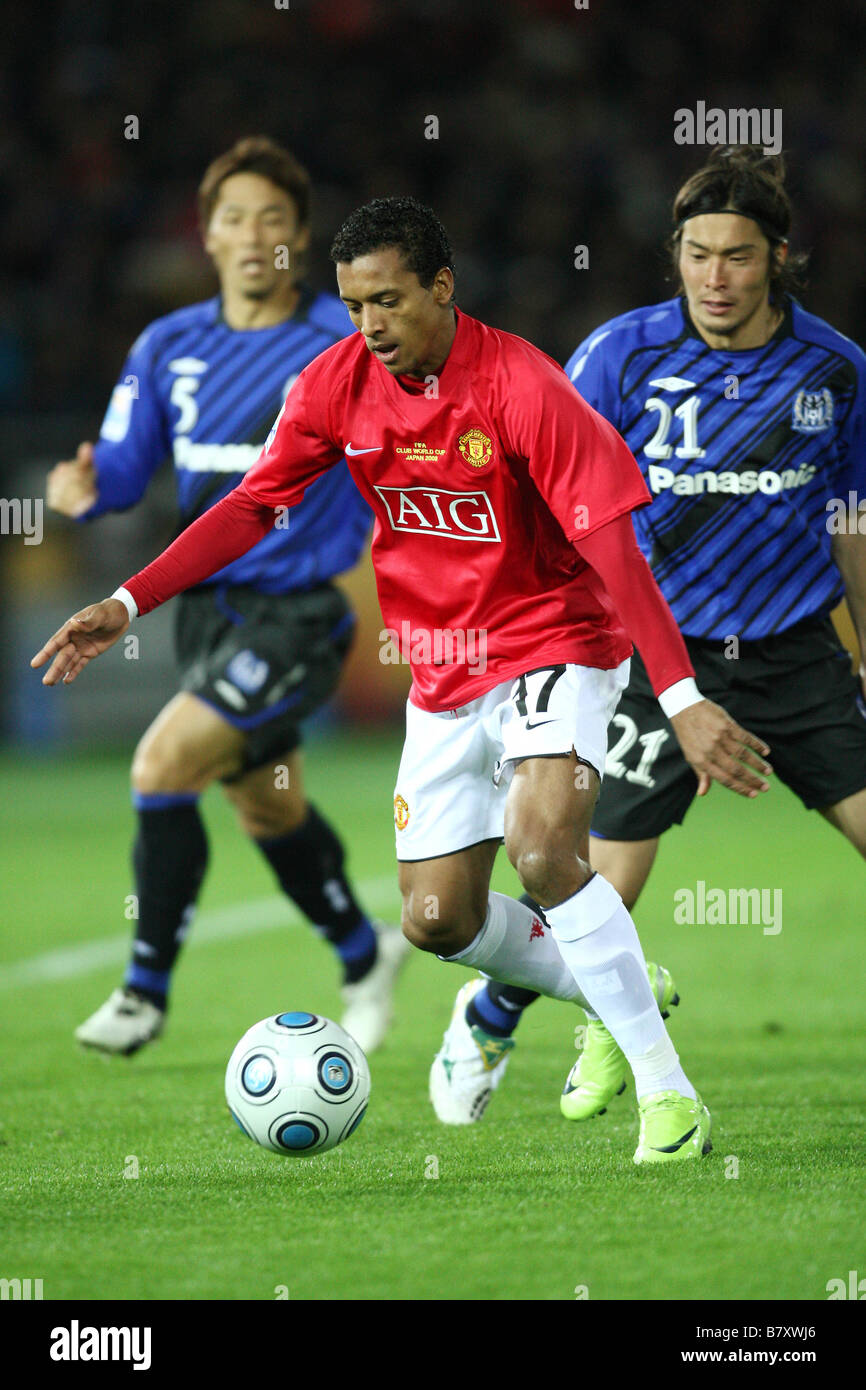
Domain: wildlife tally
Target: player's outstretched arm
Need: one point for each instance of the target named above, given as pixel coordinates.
(81, 638)
(227, 530)
(293, 458)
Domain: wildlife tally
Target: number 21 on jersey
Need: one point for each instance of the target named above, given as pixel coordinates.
(658, 447)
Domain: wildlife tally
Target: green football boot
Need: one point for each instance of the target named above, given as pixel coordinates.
(600, 1071)
(673, 1128)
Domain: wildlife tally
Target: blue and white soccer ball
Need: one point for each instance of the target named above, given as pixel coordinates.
(297, 1083)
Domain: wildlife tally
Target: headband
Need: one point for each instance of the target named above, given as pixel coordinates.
(770, 232)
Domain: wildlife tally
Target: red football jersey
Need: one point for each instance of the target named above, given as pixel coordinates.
(480, 482)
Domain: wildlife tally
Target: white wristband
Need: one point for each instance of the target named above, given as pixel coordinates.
(679, 696)
(127, 600)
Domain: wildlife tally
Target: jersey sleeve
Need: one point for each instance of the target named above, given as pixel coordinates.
(134, 438)
(613, 554)
(581, 466)
(300, 447)
(223, 533)
(589, 370)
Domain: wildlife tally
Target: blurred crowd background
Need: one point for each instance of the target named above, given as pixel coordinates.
(555, 129)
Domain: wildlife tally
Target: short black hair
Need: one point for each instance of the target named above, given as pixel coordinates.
(412, 228)
(256, 154)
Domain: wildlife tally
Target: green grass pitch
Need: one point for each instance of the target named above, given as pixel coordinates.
(772, 1028)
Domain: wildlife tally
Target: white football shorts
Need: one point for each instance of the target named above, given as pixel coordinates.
(456, 767)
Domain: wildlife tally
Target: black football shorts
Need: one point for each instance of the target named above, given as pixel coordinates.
(795, 690)
(264, 662)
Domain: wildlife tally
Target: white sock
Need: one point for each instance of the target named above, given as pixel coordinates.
(515, 946)
(600, 945)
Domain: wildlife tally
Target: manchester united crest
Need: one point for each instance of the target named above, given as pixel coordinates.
(476, 448)
(401, 812)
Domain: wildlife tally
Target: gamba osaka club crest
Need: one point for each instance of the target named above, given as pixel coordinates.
(248, 671)
(245, 676)
(813, 411)
(476, 448)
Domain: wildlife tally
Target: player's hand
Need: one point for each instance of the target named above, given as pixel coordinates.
(71, 486)
(82, 637)
(717, 749)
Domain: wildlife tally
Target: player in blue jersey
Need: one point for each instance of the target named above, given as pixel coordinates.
(262, 643)
(748, 417)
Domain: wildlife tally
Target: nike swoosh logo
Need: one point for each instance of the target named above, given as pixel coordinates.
(538, 723)
(350, 451)
(672, 1148)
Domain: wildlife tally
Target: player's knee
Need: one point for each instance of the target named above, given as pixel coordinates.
(436, 925)
(547, 862)
(165, 766)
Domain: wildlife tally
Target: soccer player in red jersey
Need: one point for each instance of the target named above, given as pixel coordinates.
(507, 567)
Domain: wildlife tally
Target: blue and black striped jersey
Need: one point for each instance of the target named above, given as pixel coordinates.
(742, 452)
(207, 395)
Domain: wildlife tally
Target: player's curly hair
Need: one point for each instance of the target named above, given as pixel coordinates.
(401, 222)
(741, 178)
(256, 154)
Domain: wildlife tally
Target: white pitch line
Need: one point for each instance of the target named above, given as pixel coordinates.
(220, 924)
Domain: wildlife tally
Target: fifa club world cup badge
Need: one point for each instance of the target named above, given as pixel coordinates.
(476, 448)
(401, 813)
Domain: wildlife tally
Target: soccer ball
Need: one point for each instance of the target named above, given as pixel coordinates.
(298, 1084)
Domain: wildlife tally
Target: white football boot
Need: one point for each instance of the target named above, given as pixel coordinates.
(369, 1002)
(469, 1065)
(125, 1023)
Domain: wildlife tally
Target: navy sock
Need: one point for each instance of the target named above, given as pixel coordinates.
(169, 857)
(308, 863)
(357, 951)
(485, 1012)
